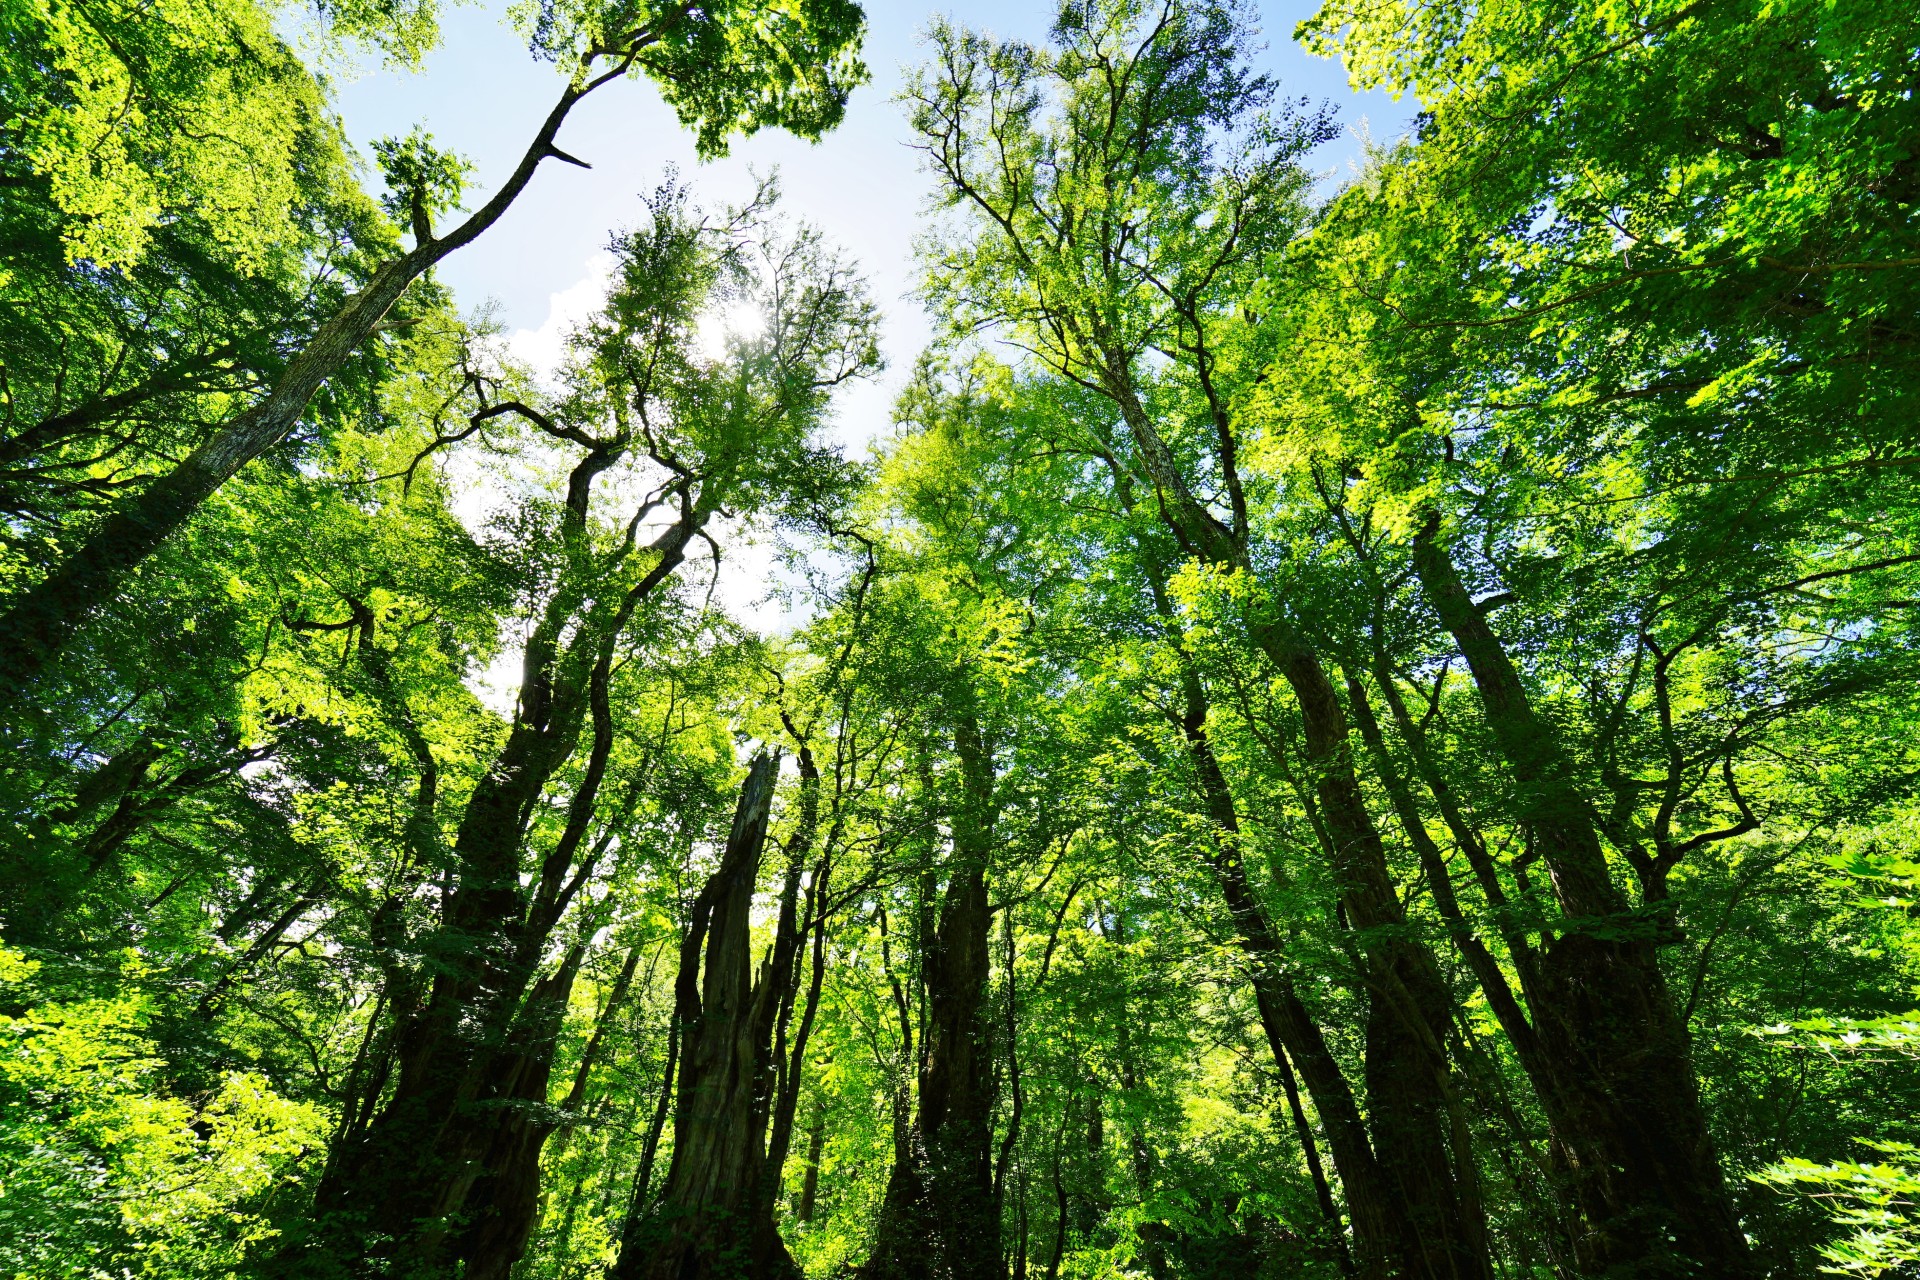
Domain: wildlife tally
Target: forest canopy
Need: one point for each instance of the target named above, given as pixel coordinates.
(1342, 728)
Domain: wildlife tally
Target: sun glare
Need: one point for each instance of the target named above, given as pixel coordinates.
(721, 326)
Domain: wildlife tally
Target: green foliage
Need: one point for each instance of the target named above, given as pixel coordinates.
(108, 1171)
(727, 68)
(1873, 1202)
(128, 117)
(422, 181)
(348, 855)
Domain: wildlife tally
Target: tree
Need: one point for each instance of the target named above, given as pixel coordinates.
(722, 70)
(424, 1186)
(1364, 734)
(1087, 247)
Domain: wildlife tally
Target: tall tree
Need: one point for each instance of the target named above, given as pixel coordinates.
(711, 1217)
(723, 71)
(432, 1180)
(1364, 735)
(1080, 168)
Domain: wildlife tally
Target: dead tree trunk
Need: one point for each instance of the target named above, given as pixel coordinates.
(712, 1220)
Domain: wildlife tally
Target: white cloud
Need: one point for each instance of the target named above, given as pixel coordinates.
(541, 349)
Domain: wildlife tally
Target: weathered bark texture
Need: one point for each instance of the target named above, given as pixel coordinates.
(448, 1172)
(1409, 1007)
(444, 1177)
(1614, 1058)
(794, 925)
(713, 1218)
(939, 1220)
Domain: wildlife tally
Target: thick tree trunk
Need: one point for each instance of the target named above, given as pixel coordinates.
(1616, 1052)
(448, 1172)
(1506, 1006)
(1485, 966)
(789, 1048)
(938, 1220)
(442, 1171)
(712, 1219)
(500, 1207)
(449, 1176)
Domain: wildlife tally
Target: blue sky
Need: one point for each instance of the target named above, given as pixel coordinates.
(482, 95)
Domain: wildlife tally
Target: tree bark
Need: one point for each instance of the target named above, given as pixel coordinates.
(499, 1208)
(1408, 1004)
(1322, 1190)
(816, 1149)
(789, 1048)
(1440, 1225)
(1642, 1163)
(445, 1175)
(712, 1219)
(938, 1220)
(1372, 1199)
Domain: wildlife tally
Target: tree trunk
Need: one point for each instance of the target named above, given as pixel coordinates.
(1641, 1160)
(642, 1194)
(789, 1048)
(1441, 1228)
(415, 1190)
(938, 1220)
(500, 1207)
(1506, 1007)
(712, 1219)
(1409, 1093)
(1322, 1191)
(816, 1148)
(41, 620)
(1372, 1200)
(1153, 1235)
